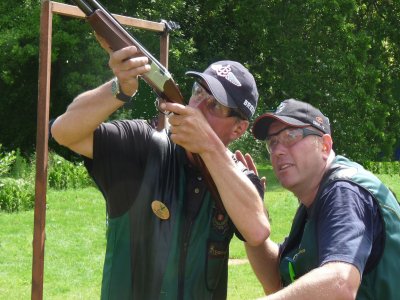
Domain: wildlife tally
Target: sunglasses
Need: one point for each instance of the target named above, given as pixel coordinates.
(201, 93)
(287, 137)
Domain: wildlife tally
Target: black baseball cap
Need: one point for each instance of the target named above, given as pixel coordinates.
(232, 85)
(294, 113)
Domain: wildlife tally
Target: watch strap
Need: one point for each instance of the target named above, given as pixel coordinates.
(118, 93)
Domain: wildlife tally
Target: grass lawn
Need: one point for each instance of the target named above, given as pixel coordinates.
(75, 244)
(74, 247)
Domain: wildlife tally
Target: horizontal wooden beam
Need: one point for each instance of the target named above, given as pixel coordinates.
(74, 11)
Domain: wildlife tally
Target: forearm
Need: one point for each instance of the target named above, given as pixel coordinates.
(239, 196)
(264, 261)
(190, 129)
(75, 127)
(333, 281)
(84, 115)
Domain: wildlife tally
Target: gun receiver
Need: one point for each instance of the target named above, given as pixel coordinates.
(106, 26)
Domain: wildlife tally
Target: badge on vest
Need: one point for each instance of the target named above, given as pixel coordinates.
(160, 210)
(220, 223)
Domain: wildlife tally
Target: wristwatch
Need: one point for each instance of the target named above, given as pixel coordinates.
(118, 93)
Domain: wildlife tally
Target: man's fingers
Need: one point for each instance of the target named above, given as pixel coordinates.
(252, 166)
(126, 59)
(123, 54)
(264, 182)
(175, 120)
(250, 163)
(247, 160)
(175, 108)
(240, 157)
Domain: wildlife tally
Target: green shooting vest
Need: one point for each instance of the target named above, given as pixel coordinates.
(300, 255)
(150, 258)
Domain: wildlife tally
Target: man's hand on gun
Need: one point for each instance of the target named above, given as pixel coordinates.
(189, 128)
(126, 66)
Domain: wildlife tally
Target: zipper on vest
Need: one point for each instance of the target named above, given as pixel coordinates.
(187, 229)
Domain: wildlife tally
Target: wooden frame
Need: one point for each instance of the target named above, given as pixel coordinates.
(48, 8)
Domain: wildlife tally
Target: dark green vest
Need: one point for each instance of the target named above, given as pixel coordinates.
(144, 253)
(301, 256)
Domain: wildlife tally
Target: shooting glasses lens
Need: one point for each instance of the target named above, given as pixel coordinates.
(201, 93)
(287, 137)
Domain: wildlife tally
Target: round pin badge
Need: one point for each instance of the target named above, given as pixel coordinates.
(160, 210)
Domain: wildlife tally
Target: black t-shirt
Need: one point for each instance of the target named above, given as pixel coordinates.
(123, 149)
(121, 146)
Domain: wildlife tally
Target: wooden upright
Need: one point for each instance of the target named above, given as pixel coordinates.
(48, 9)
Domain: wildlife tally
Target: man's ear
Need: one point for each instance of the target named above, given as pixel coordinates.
(327, 144)
(239, 129)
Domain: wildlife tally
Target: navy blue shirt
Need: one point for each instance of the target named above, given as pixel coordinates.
(349, 226)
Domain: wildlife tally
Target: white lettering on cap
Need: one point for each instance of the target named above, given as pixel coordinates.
(249, 106)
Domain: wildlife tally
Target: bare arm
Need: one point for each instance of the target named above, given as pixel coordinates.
(74, 129)
(264, 261)
(191, 130)
(331, 281)
(239, 195)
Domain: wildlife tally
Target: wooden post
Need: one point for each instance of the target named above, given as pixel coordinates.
(39, 234)
(42, 134)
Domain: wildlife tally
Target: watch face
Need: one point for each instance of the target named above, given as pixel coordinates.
(117, 92)
(115, 87)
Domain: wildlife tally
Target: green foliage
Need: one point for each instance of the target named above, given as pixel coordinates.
(343, 56)
(384, 167)
(64, 174)
(247, 144)
(17, 189)
(328, 53)
(22, 167)
(19, 47)
(6, 161)
(16, 195)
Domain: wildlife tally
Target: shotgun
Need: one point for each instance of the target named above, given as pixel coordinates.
(106, 26)
(117, 37)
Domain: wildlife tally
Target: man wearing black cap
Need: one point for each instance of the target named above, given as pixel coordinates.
(166, 237)
(345, 237)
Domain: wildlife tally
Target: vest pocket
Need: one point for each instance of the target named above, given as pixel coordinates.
(216, 261)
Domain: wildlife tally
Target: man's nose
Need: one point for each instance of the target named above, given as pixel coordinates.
(279, 149)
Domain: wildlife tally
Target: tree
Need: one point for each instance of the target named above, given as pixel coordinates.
(340, 55)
